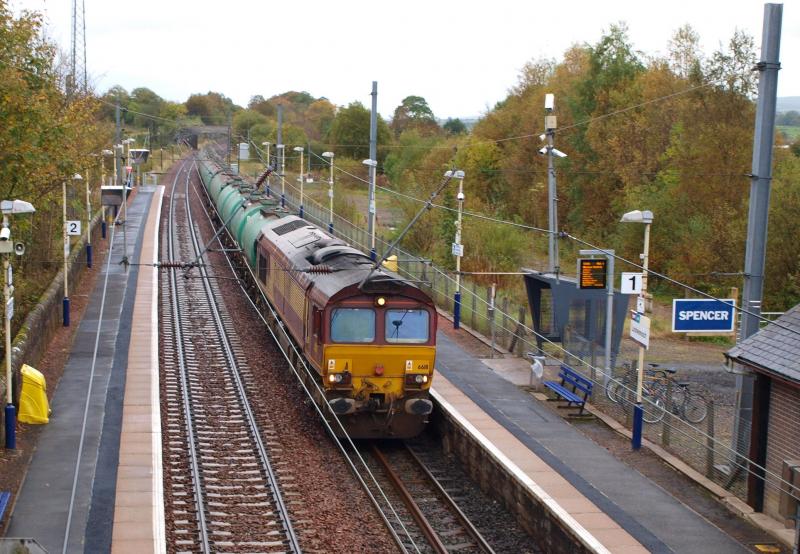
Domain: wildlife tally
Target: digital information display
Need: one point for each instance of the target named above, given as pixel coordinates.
(592, 273)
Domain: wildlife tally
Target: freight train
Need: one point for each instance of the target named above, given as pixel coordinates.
(370, 345)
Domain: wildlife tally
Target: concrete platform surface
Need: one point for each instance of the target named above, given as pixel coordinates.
(657, 520)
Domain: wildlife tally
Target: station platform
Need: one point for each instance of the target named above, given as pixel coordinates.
(113, 501)
(67, 499)
(610, 506)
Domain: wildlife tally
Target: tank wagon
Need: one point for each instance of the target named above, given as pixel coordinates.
(371, 346)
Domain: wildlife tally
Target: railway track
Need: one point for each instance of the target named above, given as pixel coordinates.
(221, 489)
(428, 518)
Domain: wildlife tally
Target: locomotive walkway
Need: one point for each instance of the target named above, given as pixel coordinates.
(645, 511)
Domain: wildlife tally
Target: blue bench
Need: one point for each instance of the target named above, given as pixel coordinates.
(4, 498)
(572, 385)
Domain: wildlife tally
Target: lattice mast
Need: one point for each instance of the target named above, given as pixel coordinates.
(77, 80)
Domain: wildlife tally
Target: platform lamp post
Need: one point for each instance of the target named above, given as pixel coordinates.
(646, 217)
(88, 222)
(329, 155)
(458, 248)
(10, 207)
(103, 154)
(282, 155)
(373, 167)
(301, 150)
(267, 145)
(65, 302)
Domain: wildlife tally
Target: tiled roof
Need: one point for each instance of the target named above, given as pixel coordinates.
(774, 348)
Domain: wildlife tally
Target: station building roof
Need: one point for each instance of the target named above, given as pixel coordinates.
(774, 349)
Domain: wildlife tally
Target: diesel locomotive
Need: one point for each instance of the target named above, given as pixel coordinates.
(370, 344)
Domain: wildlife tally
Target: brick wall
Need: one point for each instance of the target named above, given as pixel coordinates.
(783, 441)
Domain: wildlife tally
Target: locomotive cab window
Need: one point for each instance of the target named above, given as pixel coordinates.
(407, 326)
(263, 267)
(353, 325)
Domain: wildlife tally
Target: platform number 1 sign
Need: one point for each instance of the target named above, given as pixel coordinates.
(631, 283)
(74, 228)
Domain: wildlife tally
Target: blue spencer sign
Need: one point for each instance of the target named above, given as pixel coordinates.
(695, 315)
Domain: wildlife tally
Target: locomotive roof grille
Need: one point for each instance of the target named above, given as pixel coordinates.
(289, 227)
(329, 252)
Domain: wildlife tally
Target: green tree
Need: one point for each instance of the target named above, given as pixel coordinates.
(349, 132)
(213, 108)
(454, 126)
(414, 112)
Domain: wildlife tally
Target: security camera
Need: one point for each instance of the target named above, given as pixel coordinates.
(5, 233)
(460, 196)
(543, 150)
(19, 248)
(549, 102)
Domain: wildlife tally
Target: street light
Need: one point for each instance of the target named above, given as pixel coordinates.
(372, 164)
(458, 248)
(267, 144)
(329, 155)
(301, 150)
(104, 154)
(7, 246)
(65, 303)
(88, 223)
(646, 217)
(282, 156)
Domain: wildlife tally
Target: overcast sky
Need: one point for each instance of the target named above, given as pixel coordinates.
(462, 56)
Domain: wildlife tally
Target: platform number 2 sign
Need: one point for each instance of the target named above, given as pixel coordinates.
(631, 283)
(74, 228)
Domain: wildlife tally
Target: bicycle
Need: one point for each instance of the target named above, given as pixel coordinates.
(623, 391)
(686, 404)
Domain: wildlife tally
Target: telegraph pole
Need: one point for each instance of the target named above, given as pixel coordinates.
(373, 155)
(757, 219)
(282, 154)
(552, 197)
(117, 139)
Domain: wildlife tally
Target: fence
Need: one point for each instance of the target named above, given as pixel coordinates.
(707, 446)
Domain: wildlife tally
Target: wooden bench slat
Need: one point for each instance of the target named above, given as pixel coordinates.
(569, 395)
(579, 383)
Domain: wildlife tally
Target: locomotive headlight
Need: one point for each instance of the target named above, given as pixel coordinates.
(380, 301)
(420, 379)
(335, 377)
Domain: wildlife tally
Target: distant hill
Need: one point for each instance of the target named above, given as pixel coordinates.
(788, 103)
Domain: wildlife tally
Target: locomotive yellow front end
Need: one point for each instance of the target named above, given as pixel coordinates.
(378, 364)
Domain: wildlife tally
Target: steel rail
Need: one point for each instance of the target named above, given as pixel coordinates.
(352, 464)
(422, 522)
(183, 371)
(266, 466)
(462, 517)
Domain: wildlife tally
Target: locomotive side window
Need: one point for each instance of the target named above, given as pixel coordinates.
(353, 325)
(407, 326)
(263, 267)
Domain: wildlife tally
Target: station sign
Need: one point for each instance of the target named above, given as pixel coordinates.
(703, 315)
(640, 329)
(74, 228)
(592, 273)
(631, 283)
